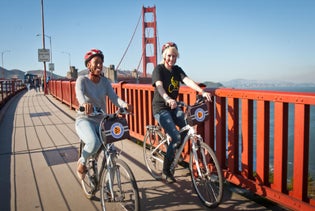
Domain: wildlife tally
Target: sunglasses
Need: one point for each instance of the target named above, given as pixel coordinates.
(167, 45)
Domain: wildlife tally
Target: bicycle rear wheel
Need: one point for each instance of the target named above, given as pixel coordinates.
(154, 149)
(206, 175)
(119, 190)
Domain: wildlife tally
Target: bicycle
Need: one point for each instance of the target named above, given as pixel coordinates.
(204, 167)
(114, 179)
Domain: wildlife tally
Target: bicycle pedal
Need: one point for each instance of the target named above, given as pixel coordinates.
(181, 159)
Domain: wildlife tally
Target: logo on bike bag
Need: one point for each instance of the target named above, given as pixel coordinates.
(200, 114)
(117, 130)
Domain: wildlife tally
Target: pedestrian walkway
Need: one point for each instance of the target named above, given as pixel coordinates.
(38, 157)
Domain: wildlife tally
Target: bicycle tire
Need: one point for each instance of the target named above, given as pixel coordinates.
(87, 185)
(124, 193)
(154, 152)
(208, 186)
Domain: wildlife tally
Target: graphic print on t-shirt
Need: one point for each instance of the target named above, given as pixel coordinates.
(173, 86)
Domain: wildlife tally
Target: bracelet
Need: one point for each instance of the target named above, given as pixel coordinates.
(167, 98)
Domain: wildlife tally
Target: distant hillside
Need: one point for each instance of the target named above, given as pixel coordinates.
(8, 74)
(121, 73)
(41, 72)
(210, 84)
(19, 74)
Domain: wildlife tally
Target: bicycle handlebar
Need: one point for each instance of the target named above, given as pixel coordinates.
(119, 111)
(199, 100)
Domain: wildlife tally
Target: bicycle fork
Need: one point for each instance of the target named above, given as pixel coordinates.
(112, 174)
(195, 148)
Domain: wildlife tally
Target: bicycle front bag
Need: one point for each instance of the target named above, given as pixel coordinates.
(114, 129)
(197, 114)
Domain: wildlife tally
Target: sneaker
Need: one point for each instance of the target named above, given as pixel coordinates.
(81, 170)
(168, 178)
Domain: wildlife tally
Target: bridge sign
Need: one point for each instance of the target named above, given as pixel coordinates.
(51, 67)
(43, 55)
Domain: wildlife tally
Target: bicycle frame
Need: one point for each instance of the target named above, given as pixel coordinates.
(106, 163)
(204, 167)
(194, 137)
(191, 135)
(113, 178)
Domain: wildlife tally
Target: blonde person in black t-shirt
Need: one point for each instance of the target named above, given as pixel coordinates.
(166, 79)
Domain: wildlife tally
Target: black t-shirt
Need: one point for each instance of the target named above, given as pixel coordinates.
(171, 83)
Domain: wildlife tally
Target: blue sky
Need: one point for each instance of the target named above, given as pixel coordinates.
(218, 40)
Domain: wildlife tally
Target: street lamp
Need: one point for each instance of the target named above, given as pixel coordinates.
(69, 56)
(3, 52)
(43, 43)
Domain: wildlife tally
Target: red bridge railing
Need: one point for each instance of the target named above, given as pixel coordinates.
(252, 133)
(9, 88)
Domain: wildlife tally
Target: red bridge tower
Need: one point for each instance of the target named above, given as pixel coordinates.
(148, 39)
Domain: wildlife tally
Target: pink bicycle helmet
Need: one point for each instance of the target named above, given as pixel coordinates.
(91, 53)
(167, 45)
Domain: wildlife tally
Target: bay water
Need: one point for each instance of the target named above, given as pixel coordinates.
(290, 132)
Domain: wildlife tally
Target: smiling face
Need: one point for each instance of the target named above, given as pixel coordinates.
(170, 56)
(95, 65)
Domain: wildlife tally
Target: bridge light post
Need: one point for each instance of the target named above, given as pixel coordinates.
(43, 43)
(2, 53)
(69, 57)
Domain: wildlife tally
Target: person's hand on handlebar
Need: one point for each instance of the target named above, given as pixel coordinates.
(88, 108)
(207, 96)
(129, 108)
(171, 103)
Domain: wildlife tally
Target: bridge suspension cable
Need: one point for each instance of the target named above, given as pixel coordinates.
(129, 42)
(146, 40)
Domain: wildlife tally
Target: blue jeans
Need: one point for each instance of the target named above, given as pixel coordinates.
(168, 120)
(88, 131)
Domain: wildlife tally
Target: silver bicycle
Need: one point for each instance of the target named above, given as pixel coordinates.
(204, 167)
(114, 178)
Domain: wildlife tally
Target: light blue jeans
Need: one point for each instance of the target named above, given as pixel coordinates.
(88, 131)
(168, 119)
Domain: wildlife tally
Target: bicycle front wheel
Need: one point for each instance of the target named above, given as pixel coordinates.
(119, 190)
(206, 175)
(154, 149)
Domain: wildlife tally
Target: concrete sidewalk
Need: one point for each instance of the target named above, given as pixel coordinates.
(38, 157)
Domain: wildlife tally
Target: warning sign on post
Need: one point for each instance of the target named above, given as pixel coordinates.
(43, 55)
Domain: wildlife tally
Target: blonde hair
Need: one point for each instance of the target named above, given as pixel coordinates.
(172, 49)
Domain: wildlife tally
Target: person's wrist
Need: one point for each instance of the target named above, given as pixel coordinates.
(206, 95)
(167, 98)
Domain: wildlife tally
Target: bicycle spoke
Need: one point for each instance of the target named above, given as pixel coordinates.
(119, 188)
(154, 148)
(206, 175)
